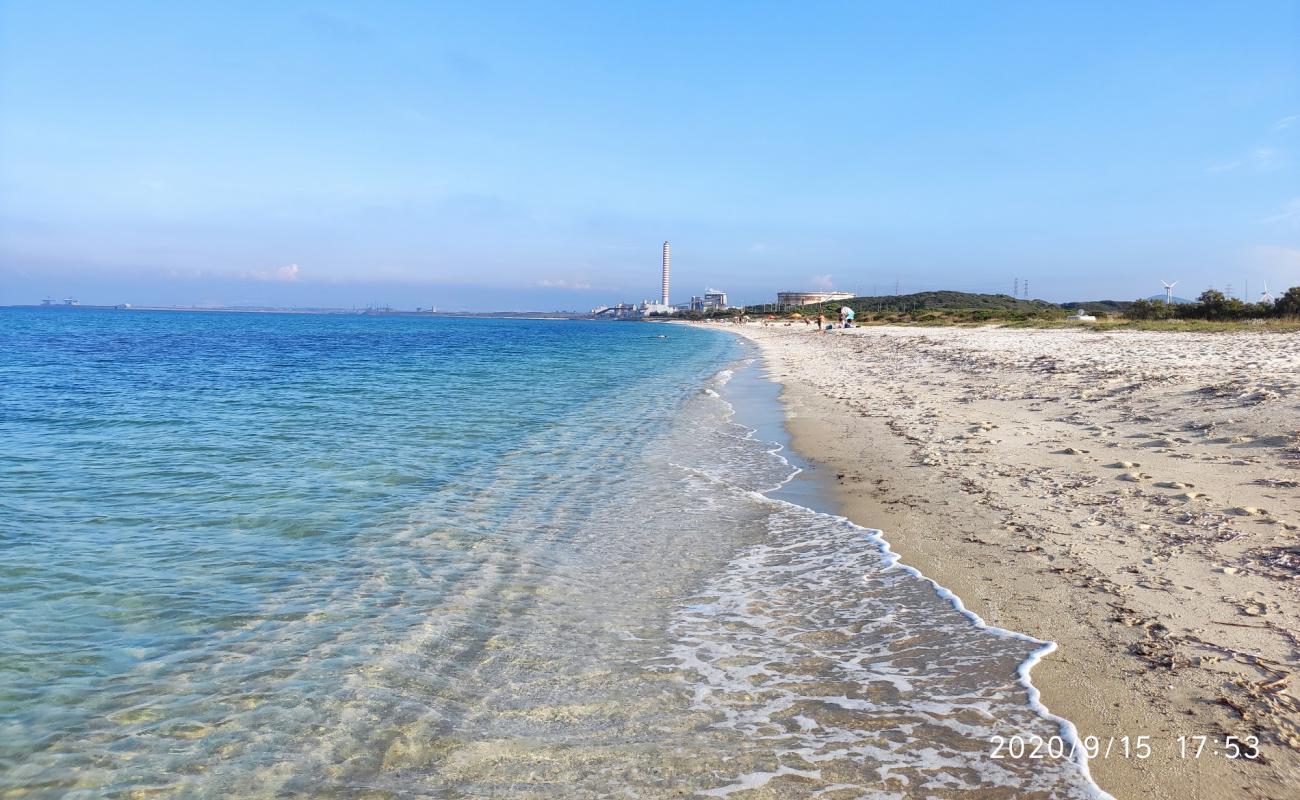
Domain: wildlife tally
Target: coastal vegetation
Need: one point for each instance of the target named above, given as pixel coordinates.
(919, 304)
(1212, 310)
(1215, 306)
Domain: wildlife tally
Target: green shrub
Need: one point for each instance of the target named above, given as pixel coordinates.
(1150, 309)
(1288, 305)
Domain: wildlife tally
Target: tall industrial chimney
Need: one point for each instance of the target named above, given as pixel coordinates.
(664, 298)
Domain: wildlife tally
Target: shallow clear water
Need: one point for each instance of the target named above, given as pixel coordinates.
(315, 556)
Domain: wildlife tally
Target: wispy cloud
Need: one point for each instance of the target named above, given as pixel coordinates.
(561, 283)
(1286, 122)
(1266, 158)
(1260, 159)
(1275, 259)
(1290, 212)
(285, 274)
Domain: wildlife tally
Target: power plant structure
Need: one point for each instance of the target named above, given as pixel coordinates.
(649, 308)
(663, 299)
(713, 300)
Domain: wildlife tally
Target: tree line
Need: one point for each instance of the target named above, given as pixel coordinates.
(1216, 306)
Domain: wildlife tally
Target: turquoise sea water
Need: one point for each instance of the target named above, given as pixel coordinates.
(264, 555)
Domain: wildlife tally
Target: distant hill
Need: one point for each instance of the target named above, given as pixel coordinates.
(961, 305)
(931, 301)
(942, 301)
(1178, 301)
(948, 301)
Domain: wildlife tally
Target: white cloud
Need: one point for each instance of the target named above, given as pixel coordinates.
(1286, 122)
(285, 274)
(822, 281)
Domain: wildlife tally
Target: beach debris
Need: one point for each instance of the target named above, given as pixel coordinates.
(1134, 477)
(1282, 563)
(1275, 685)
(1071, 451)
(1174, 485)
(1189, 496)
(1124, 465)
(1278, 483)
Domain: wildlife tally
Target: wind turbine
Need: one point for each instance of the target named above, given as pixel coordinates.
(1169, 292)
(1265, 297)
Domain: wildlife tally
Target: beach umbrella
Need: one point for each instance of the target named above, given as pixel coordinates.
(796, 315)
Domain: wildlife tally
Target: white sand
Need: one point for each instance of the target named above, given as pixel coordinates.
(1131, 495)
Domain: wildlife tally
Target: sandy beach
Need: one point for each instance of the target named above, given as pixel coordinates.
(1130, 495)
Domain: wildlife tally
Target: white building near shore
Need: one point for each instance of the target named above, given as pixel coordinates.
(648, 308)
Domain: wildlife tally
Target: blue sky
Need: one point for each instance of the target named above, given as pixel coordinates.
(534, 155)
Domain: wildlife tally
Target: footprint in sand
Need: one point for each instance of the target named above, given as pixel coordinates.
(1154, 443)
(1254, 605)
(1247, 511)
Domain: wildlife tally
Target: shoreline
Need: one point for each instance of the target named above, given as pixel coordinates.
(821, 496)
(1118, 669)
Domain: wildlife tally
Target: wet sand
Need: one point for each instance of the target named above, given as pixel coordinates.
(1129, 495)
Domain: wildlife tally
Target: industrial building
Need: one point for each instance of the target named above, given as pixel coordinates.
(663, 306)
(794, 299)
(664, 299)
(712, 300)
(645, 308)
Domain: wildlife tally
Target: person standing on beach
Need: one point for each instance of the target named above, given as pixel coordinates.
(821, 321)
